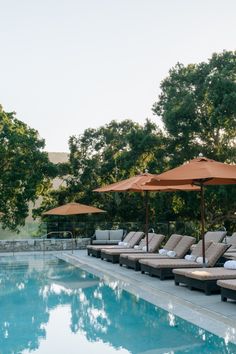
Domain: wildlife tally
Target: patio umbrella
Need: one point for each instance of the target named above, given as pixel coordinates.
(138, 184)
(73, 209)
(201, 172)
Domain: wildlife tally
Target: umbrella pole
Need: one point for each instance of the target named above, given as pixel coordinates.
(203, 223)
(146, 218)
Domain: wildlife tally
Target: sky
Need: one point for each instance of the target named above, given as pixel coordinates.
(69, 65)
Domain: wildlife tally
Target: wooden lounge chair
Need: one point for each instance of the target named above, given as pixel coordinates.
(113, 255)
(132, 260)
(228, 289)
(162, 267)
(95, 250)
(205, 278)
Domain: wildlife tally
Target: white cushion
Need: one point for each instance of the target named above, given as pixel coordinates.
(136, 247)
(163, 252)
(144, 248)
(200, 260)
(171, 254)
(190, 257)
(230, 265)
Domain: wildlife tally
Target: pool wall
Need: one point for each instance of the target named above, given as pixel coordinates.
(43, 245)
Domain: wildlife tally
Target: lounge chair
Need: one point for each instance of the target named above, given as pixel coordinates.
(231, 240)
(214, 236)
(95, 250)
(163, 268)
(113, 255)
(205, 278)
(228, 289)
(160, 266)
(132, 260)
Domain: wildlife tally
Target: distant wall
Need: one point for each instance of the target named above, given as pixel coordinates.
(31, 245)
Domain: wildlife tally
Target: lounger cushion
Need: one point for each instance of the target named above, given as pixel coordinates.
(136, 238)
(104, 242)
(116, 235)
(183, 246)
(197, 250)
(214, 252)
(102, 235)
(169, 263)
(228, 284)
(155, 242)
(216, 236)
(207, 273)
(173, 241)
(146, 255)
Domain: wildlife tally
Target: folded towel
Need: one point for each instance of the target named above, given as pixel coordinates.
(200, 260)
(144, 248)
(190, 257)
(171, 254)
(163, 252)
(230, 265)
(121, 243)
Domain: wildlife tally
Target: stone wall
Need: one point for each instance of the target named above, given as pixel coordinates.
(33, 245)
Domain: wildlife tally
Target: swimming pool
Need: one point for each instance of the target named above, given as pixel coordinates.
(49, 306)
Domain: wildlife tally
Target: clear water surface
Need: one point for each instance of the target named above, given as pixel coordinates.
(48, 306)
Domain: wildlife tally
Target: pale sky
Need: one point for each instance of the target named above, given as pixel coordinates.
(68, 65)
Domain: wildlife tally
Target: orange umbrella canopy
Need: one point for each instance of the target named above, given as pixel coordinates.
(140, 183)
(198, 171)
(73, 209)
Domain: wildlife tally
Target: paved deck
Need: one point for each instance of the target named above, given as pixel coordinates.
(208, 312)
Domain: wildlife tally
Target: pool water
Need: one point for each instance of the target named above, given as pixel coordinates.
(51, 307)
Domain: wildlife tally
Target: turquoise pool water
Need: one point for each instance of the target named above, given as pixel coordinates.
(48, 306)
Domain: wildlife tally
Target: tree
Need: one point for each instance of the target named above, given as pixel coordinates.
(25, 169)
(198, 108)
(108, 154)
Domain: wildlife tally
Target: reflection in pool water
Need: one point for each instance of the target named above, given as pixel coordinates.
(50, 306)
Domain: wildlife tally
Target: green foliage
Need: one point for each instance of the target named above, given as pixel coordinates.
(106, 155)
(198, 108)
(25, 169)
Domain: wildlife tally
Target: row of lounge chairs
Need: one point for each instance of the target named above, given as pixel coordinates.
(170, 261)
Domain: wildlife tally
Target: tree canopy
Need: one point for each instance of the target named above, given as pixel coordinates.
(197, 105)
(198, 108)
(25, 169)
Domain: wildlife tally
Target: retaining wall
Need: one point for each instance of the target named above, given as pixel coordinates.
(43, 244)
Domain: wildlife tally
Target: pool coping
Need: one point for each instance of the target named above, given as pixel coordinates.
(144, 287)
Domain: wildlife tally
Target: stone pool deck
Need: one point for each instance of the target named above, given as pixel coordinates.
(208, 312)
